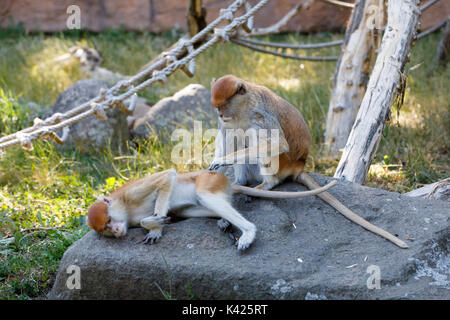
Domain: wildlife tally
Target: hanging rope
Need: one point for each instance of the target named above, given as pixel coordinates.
(284, 55)
(292, 46)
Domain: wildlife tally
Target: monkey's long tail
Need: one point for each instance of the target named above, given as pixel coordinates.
(308, 181)
(281, 194)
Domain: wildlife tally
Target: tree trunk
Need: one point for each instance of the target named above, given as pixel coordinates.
(196, 18)
(443, 50)
(385, 80)
(352, 72)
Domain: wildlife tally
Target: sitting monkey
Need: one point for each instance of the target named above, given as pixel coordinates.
(246, 106)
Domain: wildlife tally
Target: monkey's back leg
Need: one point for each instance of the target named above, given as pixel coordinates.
(277, 169)
(213, 193)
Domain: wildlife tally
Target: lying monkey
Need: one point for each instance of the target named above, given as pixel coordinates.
(146, 202)
(244, 105)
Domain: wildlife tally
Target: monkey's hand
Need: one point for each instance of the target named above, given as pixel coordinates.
(218, 163)
(223, 224)
(154, 222)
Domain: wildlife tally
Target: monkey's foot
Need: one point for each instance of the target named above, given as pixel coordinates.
(246, 239)
(241, 181)
(223, 224)
(152, 236)
(248, 199)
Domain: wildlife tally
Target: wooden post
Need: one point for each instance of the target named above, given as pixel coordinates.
(196, 17)
(385, 81)
(352, 73)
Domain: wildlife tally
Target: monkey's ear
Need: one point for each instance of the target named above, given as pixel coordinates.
(105, 199)
(241, 88)
(213, 80)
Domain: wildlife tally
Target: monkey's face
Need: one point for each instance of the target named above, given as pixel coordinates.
(115, 228)
(228, 97)
(103, 218)
(225, 113)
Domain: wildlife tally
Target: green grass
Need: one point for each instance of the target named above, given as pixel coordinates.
(52, 188)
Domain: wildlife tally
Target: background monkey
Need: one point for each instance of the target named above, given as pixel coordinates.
(146, 202)
(244, 105)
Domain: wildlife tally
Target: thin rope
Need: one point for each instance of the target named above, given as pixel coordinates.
(284, 55)
(292, 46)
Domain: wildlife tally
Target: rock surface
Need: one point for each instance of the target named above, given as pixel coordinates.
(304, 249)
(92, 134)
(179, 111)
(157, 16)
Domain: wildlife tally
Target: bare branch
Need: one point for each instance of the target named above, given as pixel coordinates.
(427, 5)
(276, 28)
(340, 4)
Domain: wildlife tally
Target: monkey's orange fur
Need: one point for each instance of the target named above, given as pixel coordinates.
(97, 216)
(223, 89)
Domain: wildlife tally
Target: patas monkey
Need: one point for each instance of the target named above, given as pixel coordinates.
(247, 106)
(146, 202)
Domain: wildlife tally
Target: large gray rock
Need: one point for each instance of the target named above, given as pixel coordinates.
(179, 111)
(304, 250)
(92, 134)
